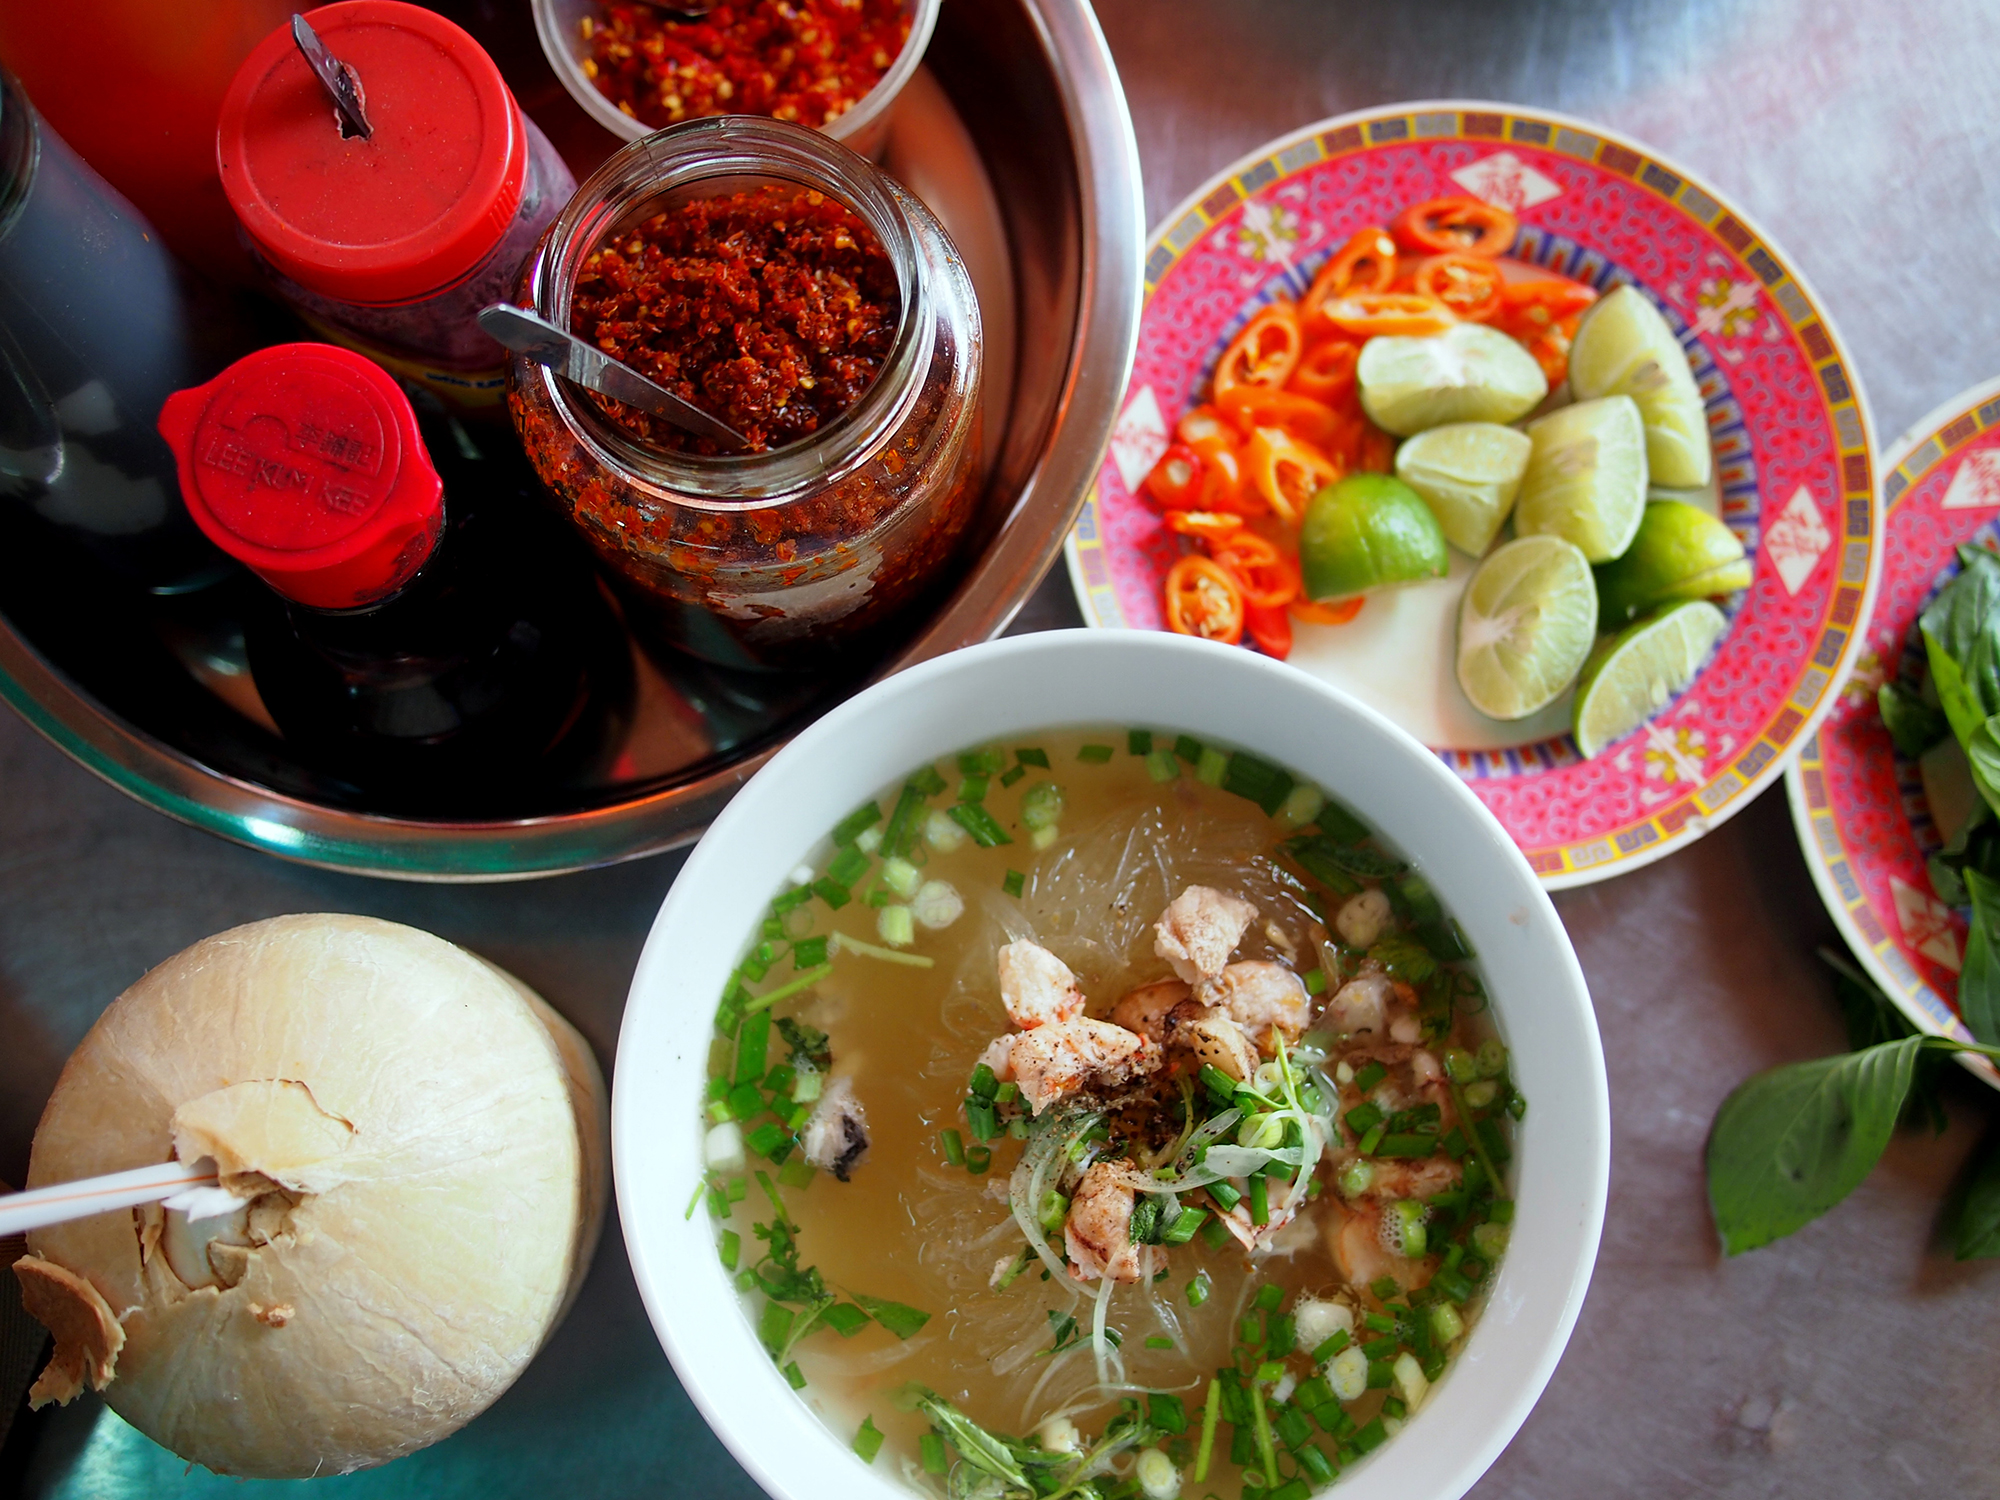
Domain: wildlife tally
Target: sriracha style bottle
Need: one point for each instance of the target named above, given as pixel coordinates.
(430, 640)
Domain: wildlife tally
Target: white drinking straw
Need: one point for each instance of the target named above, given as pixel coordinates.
(40, 1207)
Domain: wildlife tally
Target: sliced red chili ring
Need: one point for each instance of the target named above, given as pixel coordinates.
(1469, 285)
(1366, 263)
(1268, 578)
(1175, 481)
(1202, 598)
(1455, 226)
(1271, 629)
(1263, 353)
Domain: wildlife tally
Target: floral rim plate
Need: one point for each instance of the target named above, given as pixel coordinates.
(1862, 813)
(1794, 456)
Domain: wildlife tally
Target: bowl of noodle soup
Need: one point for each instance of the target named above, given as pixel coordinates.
(865, 1307)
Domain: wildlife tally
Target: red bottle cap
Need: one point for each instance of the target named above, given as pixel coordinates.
(303, 462)
(403, 213)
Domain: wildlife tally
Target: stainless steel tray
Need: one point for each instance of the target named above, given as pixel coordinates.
(1034, 86)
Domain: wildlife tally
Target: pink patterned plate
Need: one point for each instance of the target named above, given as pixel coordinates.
(1868, 818)
(1794, 457)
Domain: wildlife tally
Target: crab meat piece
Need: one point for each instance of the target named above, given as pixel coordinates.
(1144, 1010)
(1066, 1057)
(1037, 987)
(1200, 929)
(1098, 1231)
(1215, 1038)
(836, 1137)
(1264, 998)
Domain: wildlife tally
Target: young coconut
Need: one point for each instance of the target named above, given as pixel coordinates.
(418, 1144)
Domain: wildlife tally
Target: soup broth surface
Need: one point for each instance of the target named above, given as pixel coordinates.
(1008, 1342)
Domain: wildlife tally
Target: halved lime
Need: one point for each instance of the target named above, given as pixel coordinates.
(1468, 373)
(1586, 479)
(1624, 348)
(1680, 552)
(1525, 626)
(1366, 531)
(1631, 675)
(1468, 473)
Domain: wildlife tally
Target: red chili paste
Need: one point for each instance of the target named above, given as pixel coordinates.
(772, 309)
(807, 61)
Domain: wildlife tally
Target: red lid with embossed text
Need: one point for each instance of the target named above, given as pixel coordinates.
(303, 462)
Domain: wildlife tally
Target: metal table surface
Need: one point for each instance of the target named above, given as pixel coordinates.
(1838, 1363)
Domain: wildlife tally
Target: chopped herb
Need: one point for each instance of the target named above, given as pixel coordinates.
(806, 1042)
(1212, 766)
(1095, 755)
(1257, 781)
(978, 1159)
(1197, 1290)
(973, 789)
(1188, 748)
(900, 832)
(1163, 1410)
(978, 822)
(1161, 766)
(796, 1174)
(1159, 1341)
(1015, 883)
(1315, 981)
(1041, 806)
(902, 1320)
(1033, 755)
(785, 991)
(1009, 777)
(1218, 1083)
(954, 1147)
(927, 782)
(832, 892)
(848, 867)
(1185, 1226)
(794, 1376)
(930, 1453)
(845, 1319)
(981, 762)
(868, 1441)
(849, 828)
(798, 895)
(979, 1115)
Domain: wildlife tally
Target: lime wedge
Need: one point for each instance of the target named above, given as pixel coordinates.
(1586, 479)
(1468, 373)
(1468, 473)
(1367, 531)
(1525, 626)
(1624, 348)
(1681, 552)
(1630, 677)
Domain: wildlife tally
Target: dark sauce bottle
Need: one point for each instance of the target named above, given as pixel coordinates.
(435, 638)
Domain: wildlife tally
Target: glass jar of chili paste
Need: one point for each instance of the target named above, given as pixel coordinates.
(783, 283)
(390, 243)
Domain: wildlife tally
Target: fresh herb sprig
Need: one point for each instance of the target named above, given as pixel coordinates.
(1792, 1142)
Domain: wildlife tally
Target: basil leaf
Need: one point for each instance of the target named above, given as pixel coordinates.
(1789, 1144)
(1976, 844)
(1979, 977)
(1873, 1019)
(1975, 1221)
(899, 1319)
(1961, 711)
(978, 1447)
(1964, 608)
(1982, 754)
(1912, 723)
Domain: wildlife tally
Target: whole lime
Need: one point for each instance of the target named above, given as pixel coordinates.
(1365, 532)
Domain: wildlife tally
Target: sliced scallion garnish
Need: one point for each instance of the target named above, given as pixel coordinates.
(868, 1441)
(977, 821)
(1095, 755)
(1015, 883)
(1139, 741)
(848, 829)
(1032, 755)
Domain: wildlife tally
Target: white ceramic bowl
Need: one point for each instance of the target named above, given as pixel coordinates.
(863, 128)
(1000, 690)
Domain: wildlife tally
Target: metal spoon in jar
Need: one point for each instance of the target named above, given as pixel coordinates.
(573, 359)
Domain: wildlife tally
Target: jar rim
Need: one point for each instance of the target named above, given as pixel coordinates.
(744, 151)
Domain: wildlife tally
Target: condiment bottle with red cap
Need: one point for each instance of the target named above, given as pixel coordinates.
(390, 243)
(436, 633)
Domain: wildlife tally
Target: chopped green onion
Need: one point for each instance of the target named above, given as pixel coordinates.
(737, 1190)
(1054, 1208)
(1266, 1453)
(809, 953)
(750, 1047)
(1007, 1093)
(1381, 1374)
(1257, 781)
(798, 895)
(978, 822)
(1009, 777)
(832, 892)
(1370, 1075)
(1294, 1427)
(1479, 1095)
(1407, 1144)
(1301, 805)
(848, 829)
(1270, 1297)
(1331, 1345)
(978, 1159)
(1500, 1211)
(1015, 883)
(1215, 1234)
(1160, 1341)
(981, 762)
(1319, 1468)
(729, 1248)
(1017, 1128)
(1188, 748)
(1363, 1117)
(1095, 755)
(1260, 1200)
(769, 1138)
(1198, 1289)
(1210, 1409)
(954, 1147)
(1315, 981)
(930, 1454)
(1185, 1226)
(979, 1115)
(1490, 1240)
(753, 969)
(699, 1189)
(745, 1101)
(973, 789)
(868, 1441)
(1212, 766)
(847, 867)
(789, 988)
(1218, 1082)
(984, 1082)
(1041, 806)
(900, 876)
(1384, 1287)
(899, 1318)
(927, 782)
(1452, 1284)
(1224, 1194)
(896, 926)
(845, 1319)
(1447, 1327)
(1492, 1057)
(1041, 838)
(1161, 766)
(794, 1376)
(1033, 755)
(1138, 742)
(796, 1174)
(845, 943)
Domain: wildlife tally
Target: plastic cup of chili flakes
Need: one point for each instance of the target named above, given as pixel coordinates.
(781, 282)
(835, 67)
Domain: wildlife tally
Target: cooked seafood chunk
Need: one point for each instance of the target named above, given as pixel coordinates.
(1363, 918)
(836, 1137)
(1200, 929)
(1037, 987)
(1362, 1004)
(1214, 1037)
(1098, 1231)
(1144, 1010)
(1263, 998)
(1066, 1057)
